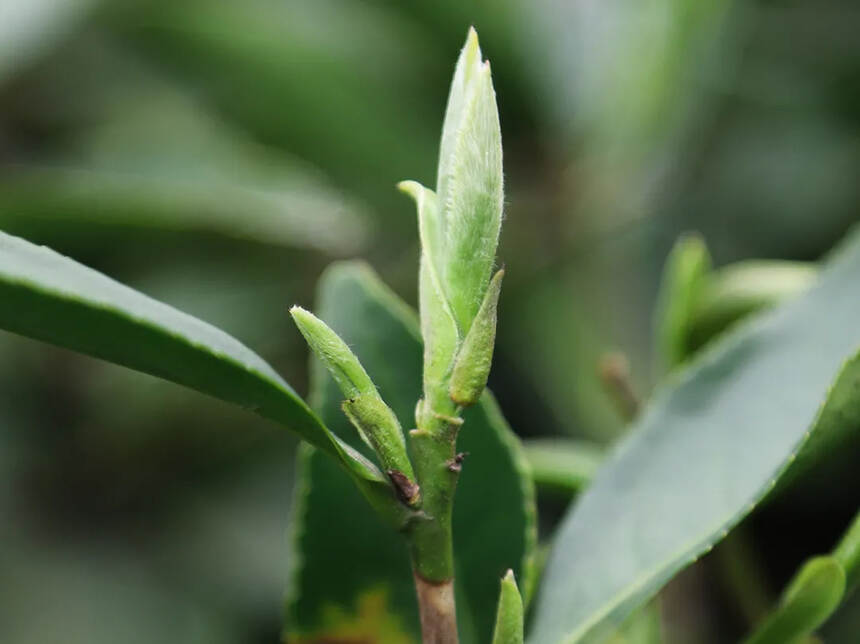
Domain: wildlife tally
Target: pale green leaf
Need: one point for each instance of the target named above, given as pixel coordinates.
(438, 328)
(351, 574)
(471, 202)
(475, 357)
(465, 73)
(337, 357)
(509, 617)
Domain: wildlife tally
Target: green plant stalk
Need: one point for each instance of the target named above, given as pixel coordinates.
(437, 467)
(459, 231)
(430, 535)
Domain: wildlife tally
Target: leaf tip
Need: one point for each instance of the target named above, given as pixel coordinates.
(410, 188)
(472, 45)
(301, 316)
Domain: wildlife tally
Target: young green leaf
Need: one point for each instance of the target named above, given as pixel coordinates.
(459, 235)
(379, 428)
(737, 290)
(847, 553)
(337, 579)
(438, 327)
(54, 299)
(462, 84)
(696, 303)
(375, 422)
(810, 598)
(683, 279)
(429, 227)
(338, 358)
(509, 617)
(470, 187)
(711, 446)
(814, 593)
(475, 357)
(564, 466)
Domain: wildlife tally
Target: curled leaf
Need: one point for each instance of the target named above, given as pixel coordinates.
(376, 423)
(338, 358)
(378, 427)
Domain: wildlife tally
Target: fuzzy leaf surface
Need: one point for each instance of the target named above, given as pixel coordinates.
(509, 619)
(345, 559)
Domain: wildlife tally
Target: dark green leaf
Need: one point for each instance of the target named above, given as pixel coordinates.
(52, 298)
(348, 566)
(714, 442)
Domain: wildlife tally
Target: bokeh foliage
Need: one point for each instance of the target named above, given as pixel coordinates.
(219, 155)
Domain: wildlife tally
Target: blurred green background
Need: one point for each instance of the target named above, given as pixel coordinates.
(218, 155)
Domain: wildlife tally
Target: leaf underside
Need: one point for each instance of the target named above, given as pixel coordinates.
(714, 442)
(341, 552)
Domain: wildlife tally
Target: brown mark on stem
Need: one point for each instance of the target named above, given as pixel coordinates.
(407, 490)
(456, 464)
(437, 609)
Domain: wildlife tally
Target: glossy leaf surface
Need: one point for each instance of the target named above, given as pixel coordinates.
(349, 567)
(52, 298)
(712, 444)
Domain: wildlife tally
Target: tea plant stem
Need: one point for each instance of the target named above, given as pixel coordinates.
(437, 467)
(436, 603)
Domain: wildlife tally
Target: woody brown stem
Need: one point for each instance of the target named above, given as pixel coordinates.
(437, 610)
